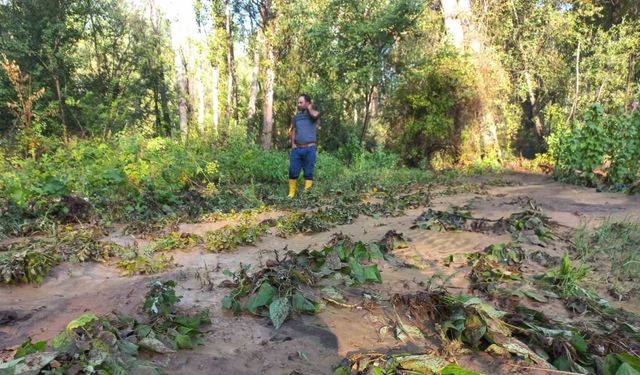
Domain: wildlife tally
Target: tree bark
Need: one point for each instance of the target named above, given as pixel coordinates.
(535, 110)
(367, 113)
(267, 105)
(215, 100)
(461, 28)
(63, 120)
(254, 89)
(267, 16)
(232, 86)
(183, 106)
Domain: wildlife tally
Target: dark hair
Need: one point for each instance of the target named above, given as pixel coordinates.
(306, 97)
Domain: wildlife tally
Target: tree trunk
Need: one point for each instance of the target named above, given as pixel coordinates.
(535, 110)
(63, 120)
(156, 109)
(254, 89)
(215, 100)
(183, 88)
(164, 103)
(267, 16)
(452, 23)
(267, 104)
(460, 27)
(232, 86)
(367, 113)
(200, 93)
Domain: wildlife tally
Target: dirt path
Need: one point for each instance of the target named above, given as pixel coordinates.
(310, 344)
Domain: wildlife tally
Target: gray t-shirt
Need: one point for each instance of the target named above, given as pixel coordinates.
(305, 128)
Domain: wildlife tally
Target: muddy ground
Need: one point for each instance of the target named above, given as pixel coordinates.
(312, 344)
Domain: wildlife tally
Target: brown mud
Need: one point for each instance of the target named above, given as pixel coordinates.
(311, 344)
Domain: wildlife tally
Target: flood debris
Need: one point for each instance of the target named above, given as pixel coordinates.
(299, 283)
(114, 345)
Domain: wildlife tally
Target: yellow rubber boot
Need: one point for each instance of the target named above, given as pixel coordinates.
(308, 184)
(292, 188)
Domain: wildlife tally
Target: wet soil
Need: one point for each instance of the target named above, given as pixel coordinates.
(312, 344)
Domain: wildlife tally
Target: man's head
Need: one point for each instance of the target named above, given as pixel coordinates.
(303, 102)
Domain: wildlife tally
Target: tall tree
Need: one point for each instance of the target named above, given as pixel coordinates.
(465, 35)
(232, 84)
(267, 26)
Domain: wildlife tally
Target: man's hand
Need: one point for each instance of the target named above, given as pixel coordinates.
(312, 112)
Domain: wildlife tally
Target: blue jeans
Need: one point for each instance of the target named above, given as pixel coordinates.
(302, 158)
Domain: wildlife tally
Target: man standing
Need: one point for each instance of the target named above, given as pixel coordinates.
(303, 144)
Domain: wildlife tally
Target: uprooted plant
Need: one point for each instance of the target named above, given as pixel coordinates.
(112, 345)
(419, 364)
(285, 286)
(31, 260)
(529, 225)
(525, 333)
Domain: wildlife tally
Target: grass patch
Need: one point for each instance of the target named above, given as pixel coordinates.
(617, 241)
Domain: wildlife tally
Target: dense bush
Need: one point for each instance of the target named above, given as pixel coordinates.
(429, 104)
(601, 149)
(137, 178)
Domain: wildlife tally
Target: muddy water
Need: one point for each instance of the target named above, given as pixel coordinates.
(309, 344)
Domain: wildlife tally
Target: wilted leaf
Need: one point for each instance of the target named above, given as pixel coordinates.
(27, 365)
(535, 296)
(422, 363)
(279, 311)
(155, 345)
(301, 304)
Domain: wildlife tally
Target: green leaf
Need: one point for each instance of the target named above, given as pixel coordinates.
(301, 304)
(627, 369)
(127, 347)
(143, 331)
(184, 342)
(452, 369)
(262, 298)
(578, 343)
(28, 347)
(279, 311)
(372, 274)
(357, 271)
(632, 360)
(535, 296)
(562, 364)
(474, 329)
(342, 253)
(227, 302)
(360, 251)
(81, 321)
(341, 371)
(374, 252)
(611, 364)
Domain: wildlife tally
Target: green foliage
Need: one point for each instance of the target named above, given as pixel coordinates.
(146, 264)
(430, 104)
(601, 149)
(282, 289)
(618, 241)
(115, 345)
(423, 364)
(232, 236)
(30, 260)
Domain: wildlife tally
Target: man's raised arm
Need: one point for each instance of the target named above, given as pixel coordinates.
(313, 113)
